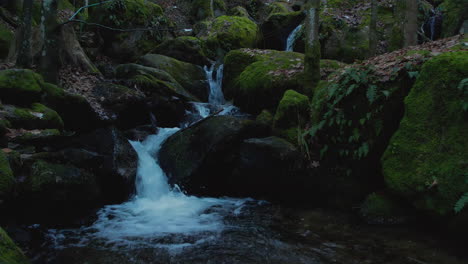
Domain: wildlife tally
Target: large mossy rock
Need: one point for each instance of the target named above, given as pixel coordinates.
(129, 14)
(227, 33)
(7, 179)
(187, 49)
(36, 117)
(257, 79)
(455, 13)
(9, 252)
(21, 87)
(199, 157)
(127, 105)
(291, 115)
(191, 77)
(61, 184)
(426, 161)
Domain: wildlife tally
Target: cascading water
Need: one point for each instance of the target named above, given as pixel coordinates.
(216, 96)
(292, 38)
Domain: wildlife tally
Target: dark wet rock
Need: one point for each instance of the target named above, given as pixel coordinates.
(269, 168)
(199, 157)
(119, 161)
(126, 105)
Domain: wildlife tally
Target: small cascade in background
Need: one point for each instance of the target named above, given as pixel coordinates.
(216, 96)
(433, 25)
(292, 38)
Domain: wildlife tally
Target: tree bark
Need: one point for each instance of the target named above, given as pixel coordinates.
(24, 58)
(411, 23)
(312, 47)
(373, 29)
(49, 57)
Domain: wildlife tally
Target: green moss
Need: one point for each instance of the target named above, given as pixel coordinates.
(231, 32)
(265, 117)
(9, 252)
(127, 13)
(319, 100)
(377, 205)
(19, 86)
(6, 37)
(4, 125)
(293, 110)
(38, 117)
(262, 84)
(7, 179)
(188, 49)
(455, 12)
(426, 157)
(277, 7)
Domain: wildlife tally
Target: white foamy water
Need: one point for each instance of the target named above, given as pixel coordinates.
(292, 38)
(216, 96)
(157, 211)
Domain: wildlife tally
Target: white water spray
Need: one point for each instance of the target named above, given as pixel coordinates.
(216, 93)
(292, 38)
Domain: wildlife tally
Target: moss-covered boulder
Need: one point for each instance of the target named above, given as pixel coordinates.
(6, 37)
(426, 158)
(227, 33)
(257, 79)
(9, 252)
(126, 105)
(21, 87)
(129, 14)
(191, 77)
(455, 13)
(196, 157)
(7, 179)
(75, 110)
(187, 49)
(36, 117)
(52, 184)
(291, 115)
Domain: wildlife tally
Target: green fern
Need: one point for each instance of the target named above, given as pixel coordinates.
(371, 93)
(461, 203)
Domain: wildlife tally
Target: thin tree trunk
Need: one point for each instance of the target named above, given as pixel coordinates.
(312, 47)
(411, 23)
(49, 57)
(24, 58)
(373, 29)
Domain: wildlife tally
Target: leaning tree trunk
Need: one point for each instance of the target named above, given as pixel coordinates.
(373, 29)
(24, 58)
(49, 57)
(312, 47)
(71, 51)
(411, 23)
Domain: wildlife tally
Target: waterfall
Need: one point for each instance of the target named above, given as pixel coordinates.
(216, 93)
(292, 38)
(158, 210)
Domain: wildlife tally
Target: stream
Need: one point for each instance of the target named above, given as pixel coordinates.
(162, 224)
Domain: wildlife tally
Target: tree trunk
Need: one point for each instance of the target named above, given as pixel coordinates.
(24, 58)
(49, 57)
(373, 29)
(411, 23)
(312, 47)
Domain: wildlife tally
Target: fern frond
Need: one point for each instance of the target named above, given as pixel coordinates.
(461, 203)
